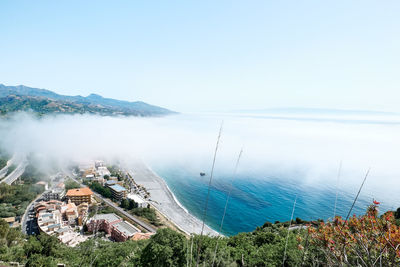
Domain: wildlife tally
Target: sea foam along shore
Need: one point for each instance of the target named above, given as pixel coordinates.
(165, 202)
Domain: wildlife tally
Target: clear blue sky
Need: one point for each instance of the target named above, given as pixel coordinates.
(208, 55)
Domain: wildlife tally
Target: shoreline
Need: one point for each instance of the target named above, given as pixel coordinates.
(164, 200)
(169, 191)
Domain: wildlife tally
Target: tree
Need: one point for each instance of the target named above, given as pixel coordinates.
(3, 228)
(32, 246)
(104, 191)
(13, 235)
(38, 260)
(71, 184)
(166, 248)
(124, 203)
(132, 204)
(50, 245)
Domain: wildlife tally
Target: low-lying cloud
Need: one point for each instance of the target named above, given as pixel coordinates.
(310, 149)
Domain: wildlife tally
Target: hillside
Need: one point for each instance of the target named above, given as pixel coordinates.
(371, 239)
(41, 101)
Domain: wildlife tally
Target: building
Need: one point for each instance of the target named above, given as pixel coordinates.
(70, 212)
(86, 168)
(83, 211)
(123, 231)
(98, 163)
(141, 203)
(80, 195)
(113, 225)
(60, 185)
(50, 206)
(44, 184)
(49, 221)
(89, 177)
(118, 192)
(110, 183)
(56, 218)
(11, 222)
(102, 171)
(55, 194)
(103, 222)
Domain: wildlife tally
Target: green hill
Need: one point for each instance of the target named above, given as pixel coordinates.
(41, 101)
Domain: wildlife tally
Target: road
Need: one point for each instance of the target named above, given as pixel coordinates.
(28, 222)
(112, 204)
(13, 176)
(3, 171)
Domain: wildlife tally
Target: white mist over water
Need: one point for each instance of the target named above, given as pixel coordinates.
(308, 150)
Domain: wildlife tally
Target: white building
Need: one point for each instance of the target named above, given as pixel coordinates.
(140, 201)
(89, 177)
(101, 171)
(98, 163)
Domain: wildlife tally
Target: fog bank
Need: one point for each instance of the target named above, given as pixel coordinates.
(309, 151)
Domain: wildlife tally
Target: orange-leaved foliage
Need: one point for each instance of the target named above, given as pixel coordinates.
(367, 240)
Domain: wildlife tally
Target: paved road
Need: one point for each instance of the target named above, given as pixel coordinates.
(3, 171)
(126, 214)
(13, 176)
(28, 223)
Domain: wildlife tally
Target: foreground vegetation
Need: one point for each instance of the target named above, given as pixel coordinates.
(15, 198)
(368, 240)
(166, 248)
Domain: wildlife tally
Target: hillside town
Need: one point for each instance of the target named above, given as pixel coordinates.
(72, 215)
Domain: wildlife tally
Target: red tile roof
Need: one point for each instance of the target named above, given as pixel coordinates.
(79, 192)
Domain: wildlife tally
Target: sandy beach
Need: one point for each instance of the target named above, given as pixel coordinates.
(164, 200)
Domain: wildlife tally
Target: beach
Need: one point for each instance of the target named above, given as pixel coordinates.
(165, 202)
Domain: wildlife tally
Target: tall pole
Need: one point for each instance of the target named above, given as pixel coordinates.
(287, 236)
(226, 205)
(337, 190)
(208, 193)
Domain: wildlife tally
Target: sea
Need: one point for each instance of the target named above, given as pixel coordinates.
(309, 163)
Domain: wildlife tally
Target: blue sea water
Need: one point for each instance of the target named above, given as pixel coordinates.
(255, 200)
(286, 161)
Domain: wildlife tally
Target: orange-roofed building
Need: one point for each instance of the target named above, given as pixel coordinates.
(80, 195)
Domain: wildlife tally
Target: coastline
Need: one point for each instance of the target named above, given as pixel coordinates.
(165, 201)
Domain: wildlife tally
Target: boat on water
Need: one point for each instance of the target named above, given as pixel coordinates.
(202, 174)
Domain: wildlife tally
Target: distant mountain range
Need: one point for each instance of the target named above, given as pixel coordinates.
(41, 101)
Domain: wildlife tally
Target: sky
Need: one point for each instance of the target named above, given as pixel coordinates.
(208, 55)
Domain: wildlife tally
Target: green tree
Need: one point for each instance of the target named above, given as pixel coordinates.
(3, 228)
(32, 246)
(50, 245)
(166, 248)
(132, 204)
(71, 184)
(124, 203)
(38, 260)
